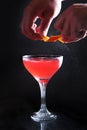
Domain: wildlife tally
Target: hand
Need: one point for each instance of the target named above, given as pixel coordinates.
(72, 23)
(46, 10)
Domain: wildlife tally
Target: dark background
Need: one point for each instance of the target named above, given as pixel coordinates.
(19, 92)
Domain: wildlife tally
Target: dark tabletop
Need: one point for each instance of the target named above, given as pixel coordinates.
(24, 122)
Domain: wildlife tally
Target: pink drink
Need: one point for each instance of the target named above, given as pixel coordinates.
(42, 68)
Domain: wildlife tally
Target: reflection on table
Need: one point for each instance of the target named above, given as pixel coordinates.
(25, 123)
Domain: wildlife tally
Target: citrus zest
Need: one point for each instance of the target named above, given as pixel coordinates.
(52, 38)
(44, 38)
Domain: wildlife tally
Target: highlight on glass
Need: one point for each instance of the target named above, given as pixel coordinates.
(42, 68)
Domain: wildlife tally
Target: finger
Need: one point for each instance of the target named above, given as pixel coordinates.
(76, 32)
(70, 31)
(59, 25)
(30, 33)
(44, 26)
(34, 26)
(28, 26)
(75, 27)
(66, 29)
(26, 17)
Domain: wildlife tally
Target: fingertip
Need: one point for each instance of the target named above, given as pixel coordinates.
(44, 25)
(66, 38)
(30, 33)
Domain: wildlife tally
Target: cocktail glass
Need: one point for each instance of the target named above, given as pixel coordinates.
(42, 68)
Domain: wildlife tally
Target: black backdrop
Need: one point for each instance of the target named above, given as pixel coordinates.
(19, 92)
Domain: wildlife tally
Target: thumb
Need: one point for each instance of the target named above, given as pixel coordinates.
(44, 25)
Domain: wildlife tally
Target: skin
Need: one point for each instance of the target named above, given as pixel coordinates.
(46, 10)
(72, 23)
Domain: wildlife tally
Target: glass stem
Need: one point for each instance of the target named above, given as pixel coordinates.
(43, 107)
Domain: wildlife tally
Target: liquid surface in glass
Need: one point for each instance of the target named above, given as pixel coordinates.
(42, 68)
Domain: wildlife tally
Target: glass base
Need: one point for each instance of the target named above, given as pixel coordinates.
(46, 116)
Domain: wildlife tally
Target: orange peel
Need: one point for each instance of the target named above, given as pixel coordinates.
(52, 38)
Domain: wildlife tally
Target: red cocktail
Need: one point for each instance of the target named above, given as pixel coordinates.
(42, 68)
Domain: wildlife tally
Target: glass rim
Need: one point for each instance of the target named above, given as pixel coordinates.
(42, 56)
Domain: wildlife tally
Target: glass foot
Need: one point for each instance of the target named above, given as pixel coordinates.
(47, 116)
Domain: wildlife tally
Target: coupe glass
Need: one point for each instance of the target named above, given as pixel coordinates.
(42, 68)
